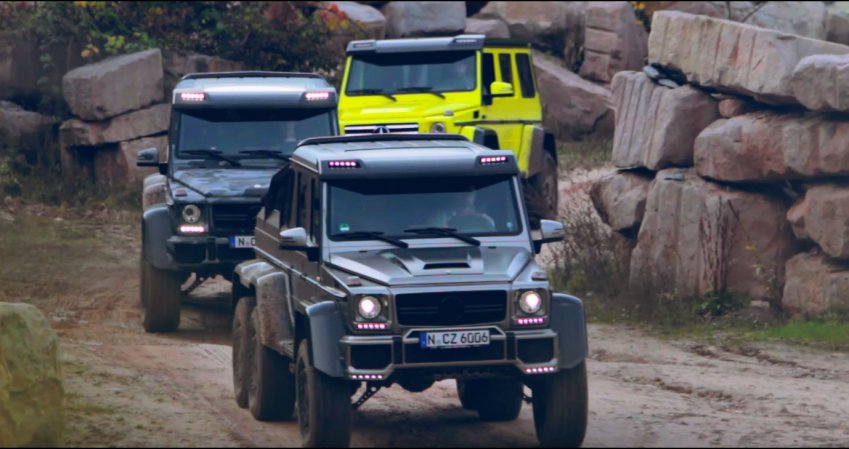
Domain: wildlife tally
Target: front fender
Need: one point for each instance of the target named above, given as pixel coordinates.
(569, 321)
(156, 229)
(327, 327)
(276, 322)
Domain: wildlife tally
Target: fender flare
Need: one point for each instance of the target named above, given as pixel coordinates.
(326, 329)
(276, 321)
(542, 142)
(569, 321)
(156, 229)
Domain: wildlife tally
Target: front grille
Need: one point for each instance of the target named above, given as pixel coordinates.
(413, 353)
(451, 308)
(382, 129)
(234, 219)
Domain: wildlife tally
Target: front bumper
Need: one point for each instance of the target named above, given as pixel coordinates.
(206, 253)
(510, 353)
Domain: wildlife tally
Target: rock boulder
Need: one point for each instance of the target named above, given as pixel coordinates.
(815, 284)
(488, 27)
(823, 216)
(613, 41)
(620, 199)
(819, 82)
(141, 123)
(411, 19)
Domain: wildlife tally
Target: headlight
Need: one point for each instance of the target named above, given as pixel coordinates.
(191, 214)
(530, 302)
(368, 307)
(438, 127)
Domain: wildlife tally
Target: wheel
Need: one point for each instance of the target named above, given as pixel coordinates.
(271, 395)
(499, 400)
(543, 201)
(324, 405)
(243, 349)
(160, 298)
(560, 408)
(469, 391)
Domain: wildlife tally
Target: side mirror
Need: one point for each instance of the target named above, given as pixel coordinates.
(549, 231)
(149, 157)
(500, 89)
(294, 238)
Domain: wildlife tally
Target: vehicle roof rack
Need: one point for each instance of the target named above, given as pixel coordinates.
(250, 74)
(396, 137)
(505, 42)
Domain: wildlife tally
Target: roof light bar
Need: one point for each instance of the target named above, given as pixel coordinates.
(343, 164)
(193, 96)
(489, 160)
(371, 326)
(317, 96)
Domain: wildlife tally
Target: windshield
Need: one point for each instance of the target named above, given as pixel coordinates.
(411, 208)
(238, 132)
(401, 73)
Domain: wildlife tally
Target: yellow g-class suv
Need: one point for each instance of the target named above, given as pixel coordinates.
(482, 88)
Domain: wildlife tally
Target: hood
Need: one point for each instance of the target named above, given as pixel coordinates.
(226, 182)
(410, 266)
(409, 107)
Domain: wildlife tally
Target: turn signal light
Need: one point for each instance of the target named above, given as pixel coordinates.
(371, 326)
(192, 229)
(530, 321)
(540, 370)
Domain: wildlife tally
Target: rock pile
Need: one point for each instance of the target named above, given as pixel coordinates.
(735, 181)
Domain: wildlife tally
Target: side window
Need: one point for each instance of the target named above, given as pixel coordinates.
(282, 197)
(488, 75)
(303, 207)
(526, 75)
(315, 210)
(506, 66)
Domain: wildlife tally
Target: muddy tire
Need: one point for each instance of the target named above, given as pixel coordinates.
(560, 408)
(160, 298)
(323, 403)
(271, 394)
(469, 391)
(542, 199)
(243, 349)
(499, 400)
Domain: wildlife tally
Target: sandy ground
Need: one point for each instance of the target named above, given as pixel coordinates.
(128, 388)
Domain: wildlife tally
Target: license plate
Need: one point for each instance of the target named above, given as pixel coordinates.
(242, 241)
(454, 339)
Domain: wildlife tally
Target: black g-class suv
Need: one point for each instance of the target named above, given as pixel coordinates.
(229, 133)
(403, 259)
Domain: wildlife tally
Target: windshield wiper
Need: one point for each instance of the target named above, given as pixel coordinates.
(446, 232)
(373, 92)
(377, 235)
(268, 153)
(211, 153)
(421, 89)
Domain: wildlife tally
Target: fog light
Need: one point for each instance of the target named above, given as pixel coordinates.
(438, 128)
(530, 302)
(368, 307)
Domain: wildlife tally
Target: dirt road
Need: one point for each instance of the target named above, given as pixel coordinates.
(128, 388)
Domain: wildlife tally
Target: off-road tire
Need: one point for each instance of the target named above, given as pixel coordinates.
(560, 408)
(543, 198)
(323, 403)
(499, 400)
(160, 290)
(469, 391)
(243, 349)
(271, 395)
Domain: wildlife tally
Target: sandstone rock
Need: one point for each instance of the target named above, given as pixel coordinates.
(614, 41)
(22, 129)
(117, 165)
(837, 23)
(732, 107)
(823, 216)
(115, 85)
(366, 18)
(409, 19)
(572, 107)
(815, 285)
(553, 26)
(176, 64)
(489, 27)
(657, 126)
(819, 82)
(701, 8)
(620, 199)
(765, 147)
(806, 19)
(732, 57)
(31, 392)
(698, 237)
(145, 122)
(153, 190)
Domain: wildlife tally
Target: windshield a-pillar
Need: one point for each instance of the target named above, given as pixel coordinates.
(238, 132)
(476, 206)
(412, 72)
